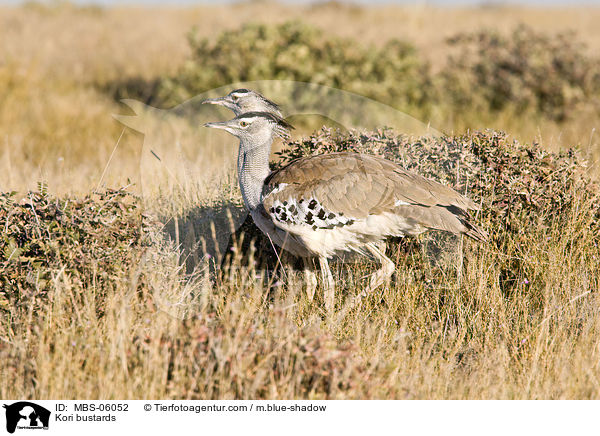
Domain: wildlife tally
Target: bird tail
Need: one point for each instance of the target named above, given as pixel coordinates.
(468, 228)
(474, 232)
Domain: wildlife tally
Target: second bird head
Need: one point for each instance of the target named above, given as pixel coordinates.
(245, 100)
(255, 127)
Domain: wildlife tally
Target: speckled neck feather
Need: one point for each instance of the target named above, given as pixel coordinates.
(253, 169)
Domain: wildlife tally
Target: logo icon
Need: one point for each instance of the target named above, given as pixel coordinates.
(26, 415)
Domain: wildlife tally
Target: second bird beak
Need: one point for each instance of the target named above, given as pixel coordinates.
(219, 101)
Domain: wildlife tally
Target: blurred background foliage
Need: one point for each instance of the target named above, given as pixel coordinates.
(525, 72)
(531, 72)
(300, 52)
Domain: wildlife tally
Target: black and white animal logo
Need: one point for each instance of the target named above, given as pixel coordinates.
(26, 415)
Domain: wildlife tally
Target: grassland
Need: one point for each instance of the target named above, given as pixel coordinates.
(107, 311)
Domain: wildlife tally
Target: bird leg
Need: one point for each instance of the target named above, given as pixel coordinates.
(310, 278)
(377, 278)
(382, 274)
(329, 284)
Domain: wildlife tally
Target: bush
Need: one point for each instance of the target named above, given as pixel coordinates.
(88, 241)
(547, 76)
(295, 51)
(519, 186)
(526, 71)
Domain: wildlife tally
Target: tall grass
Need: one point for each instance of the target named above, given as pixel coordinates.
(514, 318)
(465, 339)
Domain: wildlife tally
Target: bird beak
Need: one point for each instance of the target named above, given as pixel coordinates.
(220, 101)
(221, 125)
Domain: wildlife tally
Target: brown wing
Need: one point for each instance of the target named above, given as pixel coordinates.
(357, 185)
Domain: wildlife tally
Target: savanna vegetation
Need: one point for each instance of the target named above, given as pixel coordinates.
(107, 293)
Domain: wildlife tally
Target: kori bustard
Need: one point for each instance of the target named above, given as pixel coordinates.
(325, 205)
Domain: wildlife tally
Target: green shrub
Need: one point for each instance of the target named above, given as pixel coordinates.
(525, 71)
(295, 51)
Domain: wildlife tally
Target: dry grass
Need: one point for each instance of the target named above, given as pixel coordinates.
(145, 332)
(149, 333)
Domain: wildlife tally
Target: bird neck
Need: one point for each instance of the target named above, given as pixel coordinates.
(253, 169)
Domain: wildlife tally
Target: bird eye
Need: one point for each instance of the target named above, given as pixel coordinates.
(243, 123)
(234, 97)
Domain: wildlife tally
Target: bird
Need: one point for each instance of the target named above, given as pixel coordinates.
(321, 206)
(244, 100)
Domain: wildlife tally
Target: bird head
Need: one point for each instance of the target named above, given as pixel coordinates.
(245, 100)
(255, 127)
